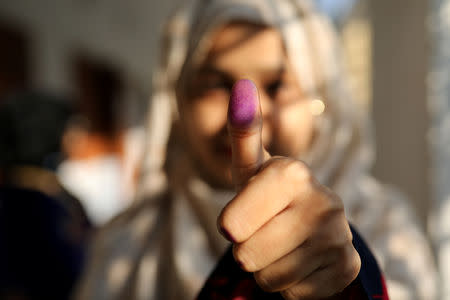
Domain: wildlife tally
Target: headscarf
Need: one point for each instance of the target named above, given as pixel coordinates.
(343, 139)
(170, 236)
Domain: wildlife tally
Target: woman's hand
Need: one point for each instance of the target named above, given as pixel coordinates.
(287, 228)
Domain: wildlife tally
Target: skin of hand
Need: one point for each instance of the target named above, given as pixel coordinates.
(286, 228)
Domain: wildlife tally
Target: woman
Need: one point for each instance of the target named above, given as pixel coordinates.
(165, 246)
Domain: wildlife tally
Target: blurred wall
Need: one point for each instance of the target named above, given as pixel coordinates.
(399, 97)
(123, 32)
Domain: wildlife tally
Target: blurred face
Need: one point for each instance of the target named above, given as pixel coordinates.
(243, 51)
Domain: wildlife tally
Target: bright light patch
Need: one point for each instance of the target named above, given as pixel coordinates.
(317, 107)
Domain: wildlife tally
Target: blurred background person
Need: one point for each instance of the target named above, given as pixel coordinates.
(44, 230)
(96, 143)
(32, 125)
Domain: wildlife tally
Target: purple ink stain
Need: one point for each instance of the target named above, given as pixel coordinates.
(243, 103)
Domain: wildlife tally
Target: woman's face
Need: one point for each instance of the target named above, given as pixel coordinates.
(241, 50)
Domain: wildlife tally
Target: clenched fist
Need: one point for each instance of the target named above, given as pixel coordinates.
(286, 228)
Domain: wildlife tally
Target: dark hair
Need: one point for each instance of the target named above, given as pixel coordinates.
(31, 128)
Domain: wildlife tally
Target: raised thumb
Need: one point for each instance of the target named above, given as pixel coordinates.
(245, 130)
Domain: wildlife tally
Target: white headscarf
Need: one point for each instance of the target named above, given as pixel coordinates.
(166, 244)
(343, 139)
